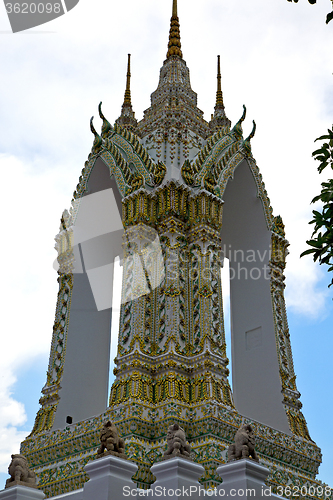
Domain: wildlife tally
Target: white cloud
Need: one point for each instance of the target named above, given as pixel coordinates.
(12, 415)
(11, 411)
(304, 293)
(31, 206)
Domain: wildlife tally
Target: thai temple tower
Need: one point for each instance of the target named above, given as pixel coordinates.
(172, 195)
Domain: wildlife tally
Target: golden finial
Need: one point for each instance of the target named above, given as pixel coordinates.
(174, 46)
(127, 98)
(219, 118)
(127, 117)
(174, 8)
(219, 96)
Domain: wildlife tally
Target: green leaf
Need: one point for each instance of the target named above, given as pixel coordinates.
(321, 242)
(322, 166)
(307, 252)
(329, 18)
(322, 157)
(317, 152)
(322, 137)
(314, 243)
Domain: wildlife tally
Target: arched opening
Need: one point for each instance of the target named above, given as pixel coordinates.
(97, 242)
(246, 243)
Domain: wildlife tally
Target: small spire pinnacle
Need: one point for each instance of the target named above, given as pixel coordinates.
(127, 97)
(219, 96)
(174, 8)
(174, 45)
(127, 118)
(219, 118)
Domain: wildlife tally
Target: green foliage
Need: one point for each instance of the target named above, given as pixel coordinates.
(329, 16)
(322, 237)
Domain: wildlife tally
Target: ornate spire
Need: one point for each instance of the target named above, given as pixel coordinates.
(219, 118)
(174, 45)
(127, 118)
(127, 97)
(219, 96)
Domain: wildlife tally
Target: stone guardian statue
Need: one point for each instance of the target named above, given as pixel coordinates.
(177, 445)
(20, 474)
(111, 442)
(243, 447)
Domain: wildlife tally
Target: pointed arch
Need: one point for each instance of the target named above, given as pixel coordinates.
(246, 239)
(96, 241)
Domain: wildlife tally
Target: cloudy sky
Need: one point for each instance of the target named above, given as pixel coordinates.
(276, 58)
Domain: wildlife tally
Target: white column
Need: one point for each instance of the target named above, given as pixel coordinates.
(177, 474)
(70, 495)
(19, 492)
(110, 478)
(242, 479)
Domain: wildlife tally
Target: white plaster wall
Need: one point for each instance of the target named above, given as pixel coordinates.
(255, 372)
(97, 238)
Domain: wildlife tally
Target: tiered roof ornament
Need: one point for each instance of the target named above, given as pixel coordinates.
(173, 128)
